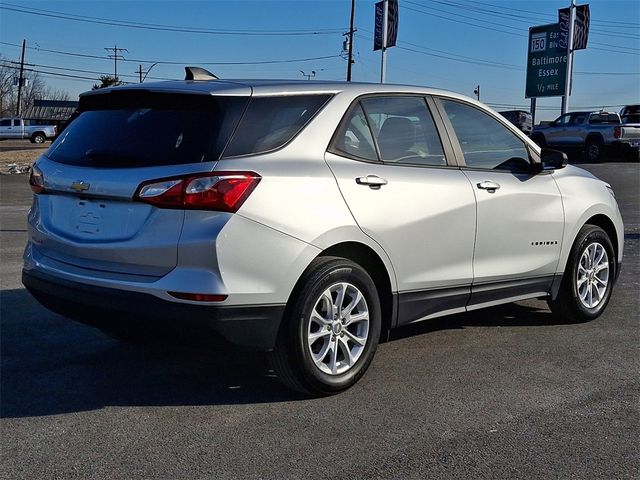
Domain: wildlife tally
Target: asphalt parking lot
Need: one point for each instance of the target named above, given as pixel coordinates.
(507, 392)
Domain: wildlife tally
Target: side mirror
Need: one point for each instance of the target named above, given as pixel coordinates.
(551, 160)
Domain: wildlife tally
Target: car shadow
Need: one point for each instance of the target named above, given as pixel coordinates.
(534, 313)
(51, 365)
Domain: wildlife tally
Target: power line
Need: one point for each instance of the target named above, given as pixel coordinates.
(474, 61)
(77, 70)
(601, 22)
(182, 62)
(548, 108)
(457, 17)
(56, 74)
(160, 27)
(449, 55)
(460, 21)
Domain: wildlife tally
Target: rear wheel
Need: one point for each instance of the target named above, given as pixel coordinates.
(331, 328)
(38, 137)
(588, 279)
(593, 150)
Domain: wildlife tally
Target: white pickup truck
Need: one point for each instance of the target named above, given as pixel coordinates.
(14, 127)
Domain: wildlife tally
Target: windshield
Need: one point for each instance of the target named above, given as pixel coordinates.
(136, 129)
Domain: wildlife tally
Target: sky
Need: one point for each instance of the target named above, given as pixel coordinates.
(454, 45)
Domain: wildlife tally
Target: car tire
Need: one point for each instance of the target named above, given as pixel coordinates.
(593, 150)
(323, 347)
(38, 138)
(588, 278)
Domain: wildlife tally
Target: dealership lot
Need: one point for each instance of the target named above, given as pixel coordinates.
(507, 392)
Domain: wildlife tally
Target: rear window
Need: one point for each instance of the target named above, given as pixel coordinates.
(604, 118)
(271, 122)
(137, 129)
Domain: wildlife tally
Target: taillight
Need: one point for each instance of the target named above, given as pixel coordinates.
(617, 132)
(36, 179)
(218, 191)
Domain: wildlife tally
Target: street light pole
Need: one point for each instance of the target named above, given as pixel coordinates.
(383, 62)
(569, 74)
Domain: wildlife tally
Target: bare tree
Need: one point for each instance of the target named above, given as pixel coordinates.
(7, 102)
(55, 94)
(34, 89)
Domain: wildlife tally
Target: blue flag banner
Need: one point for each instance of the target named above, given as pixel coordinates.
(581, 31)
(392, 24)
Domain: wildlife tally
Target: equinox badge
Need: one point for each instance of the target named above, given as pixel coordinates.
(80, 186)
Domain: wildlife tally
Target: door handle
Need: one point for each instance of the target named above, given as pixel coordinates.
(489, 186)
(373, 181)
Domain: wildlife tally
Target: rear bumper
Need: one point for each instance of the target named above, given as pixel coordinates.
(624, 147)
(253, 326)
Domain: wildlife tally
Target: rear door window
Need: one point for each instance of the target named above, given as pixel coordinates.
(136, 129)
(353, 137)
(271, 122)
(404, 130)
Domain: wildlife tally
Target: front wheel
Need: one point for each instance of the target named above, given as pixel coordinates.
(588, 279)
(331, 328)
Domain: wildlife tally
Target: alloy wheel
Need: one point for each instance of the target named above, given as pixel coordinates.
(592, 277)
(338, 328)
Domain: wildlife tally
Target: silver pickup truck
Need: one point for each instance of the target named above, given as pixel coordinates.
(15, 127)
(590, 132)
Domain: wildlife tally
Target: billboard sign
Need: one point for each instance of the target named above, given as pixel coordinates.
(546, 62)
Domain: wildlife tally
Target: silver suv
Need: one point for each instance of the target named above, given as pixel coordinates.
(308, 218)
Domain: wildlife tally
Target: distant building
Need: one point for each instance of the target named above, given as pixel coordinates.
(50, 112)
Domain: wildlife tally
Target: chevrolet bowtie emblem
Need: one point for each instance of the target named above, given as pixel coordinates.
(80, 186)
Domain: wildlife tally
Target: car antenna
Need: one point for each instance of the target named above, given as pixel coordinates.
(198, 73)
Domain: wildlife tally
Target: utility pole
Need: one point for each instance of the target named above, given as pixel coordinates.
(350, 57)
(140, 72)
(21, 77)
(477, 92)
(116, 56)
(569, 77)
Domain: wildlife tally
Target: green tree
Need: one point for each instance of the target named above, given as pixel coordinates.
(107, 81)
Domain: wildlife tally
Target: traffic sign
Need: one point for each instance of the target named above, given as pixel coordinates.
(546, 62)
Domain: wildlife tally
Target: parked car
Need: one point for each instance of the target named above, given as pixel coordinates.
(591, 132)
(308, 218)
(520, 118)
(15, 127)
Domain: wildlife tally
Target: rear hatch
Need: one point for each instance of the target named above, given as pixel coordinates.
(87, 217)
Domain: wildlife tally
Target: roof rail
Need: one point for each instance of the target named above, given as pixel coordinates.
(198, 73)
